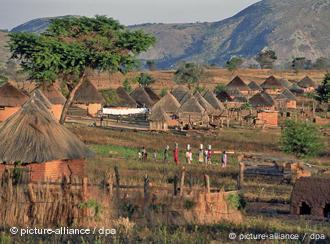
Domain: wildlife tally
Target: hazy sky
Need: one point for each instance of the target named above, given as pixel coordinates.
(15, 12)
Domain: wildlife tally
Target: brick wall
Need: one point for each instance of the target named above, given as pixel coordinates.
(269, 118)
(57, 111)
(52, 170)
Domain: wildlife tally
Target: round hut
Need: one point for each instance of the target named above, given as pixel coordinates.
(307, 84)
(272, 86)
(35, 141)
(88, 98)
(239, 84)
(11, 100)
(159, 119)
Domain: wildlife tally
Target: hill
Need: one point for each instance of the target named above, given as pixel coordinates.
(293, 28)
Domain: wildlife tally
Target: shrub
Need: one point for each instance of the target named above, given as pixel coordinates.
(235, 201)
(301, 138)
(92, 204)
(188, 204)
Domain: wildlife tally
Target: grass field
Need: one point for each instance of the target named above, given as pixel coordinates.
(267, 209)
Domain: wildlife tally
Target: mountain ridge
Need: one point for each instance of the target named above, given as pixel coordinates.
(293, 28)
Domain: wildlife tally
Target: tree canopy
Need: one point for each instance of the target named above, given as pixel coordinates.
(301, 138)
(266, 58)
(144, 79)
(189, 73)
(71, 45)
(323, 90)
(234, 63)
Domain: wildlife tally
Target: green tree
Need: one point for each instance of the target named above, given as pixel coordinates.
(301, 138)
(127, 84)
(190, 74)
(145, 80)
(323, 91)
(72, 45)
(266, 58)
(234, 63)
(301, 63)
(219, 88)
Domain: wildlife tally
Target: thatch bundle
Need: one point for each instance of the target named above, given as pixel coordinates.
(87, 94)
(32, 135)
(10, 96)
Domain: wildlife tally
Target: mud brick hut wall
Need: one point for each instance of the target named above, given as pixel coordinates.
(49, 170)
(313, 192)
(270, 118)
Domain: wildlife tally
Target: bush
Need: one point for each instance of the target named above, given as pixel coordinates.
(301, 138)
(235, 201)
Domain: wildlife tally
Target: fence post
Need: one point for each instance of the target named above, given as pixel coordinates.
(109, 182)
(183, 172)
(207, 183)
(175, 184)
(241, 174)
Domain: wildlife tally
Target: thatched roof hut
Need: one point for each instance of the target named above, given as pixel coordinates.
(10, 96)
(154, 97)
(254, 86)
(88, 94)
(158, 114)
(186, 97)
(261, 100)
(33, 136)
(179, 92)
(234, 93)
(306, 82)
(213, 100)
(123, 99)
(287, 95)
(237, 83)
(53, 94)
(272, 83)
(205, 104)
(142, 98)
(285, 83)
(168, 103)
(191, 106)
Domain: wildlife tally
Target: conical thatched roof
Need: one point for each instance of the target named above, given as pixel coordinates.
(141, 97)
(40, 97)
(261, 100)
(296, 89)
(53, 94)
(286, 95)
(168, 103)
(237, 83)
(254, 86)
(205, 104)
(154, 97)
(87, 93)
(285, 83)
(32, 135)
(224, 96)
(158, 115)
(213, 100)
(191, 106)
(179, 92)
(272, 83)
(306, 82)
(186, 97)
(10, 96)
(123, 99)
(234, 93)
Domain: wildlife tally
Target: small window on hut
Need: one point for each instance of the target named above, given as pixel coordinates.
(327, 211)
(305, 209)
(288, 114)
